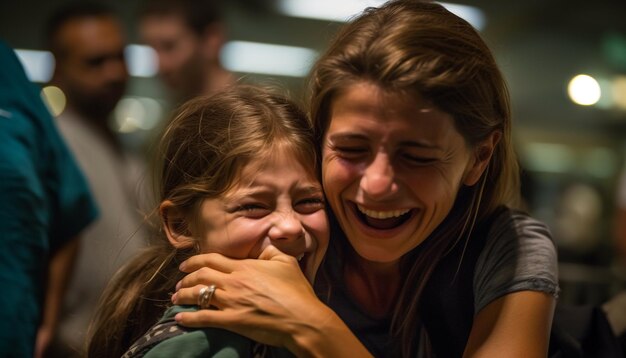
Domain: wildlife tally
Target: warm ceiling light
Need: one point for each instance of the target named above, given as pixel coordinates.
(584, 90)
(269, 59)
(343, 10)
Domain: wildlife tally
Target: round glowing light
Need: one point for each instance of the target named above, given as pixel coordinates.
(129, 114)
(584, 90)
(54, 98)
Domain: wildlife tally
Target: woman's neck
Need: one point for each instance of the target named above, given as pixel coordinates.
(373, 285)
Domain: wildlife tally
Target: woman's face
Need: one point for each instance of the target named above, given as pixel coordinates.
(392, 167)
(279, 202)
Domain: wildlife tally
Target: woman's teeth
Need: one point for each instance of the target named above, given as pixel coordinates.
(382, 214)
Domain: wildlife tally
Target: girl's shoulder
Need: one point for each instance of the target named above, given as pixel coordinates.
(168, 339)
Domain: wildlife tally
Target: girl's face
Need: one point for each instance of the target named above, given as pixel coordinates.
(278, 202)
(392, 167)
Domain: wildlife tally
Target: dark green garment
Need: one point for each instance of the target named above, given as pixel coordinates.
(173, 340)
(44, 202)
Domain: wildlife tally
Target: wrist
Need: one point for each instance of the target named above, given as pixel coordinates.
(325, 335)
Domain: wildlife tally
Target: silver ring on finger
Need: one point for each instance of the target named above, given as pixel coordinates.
(205, 296)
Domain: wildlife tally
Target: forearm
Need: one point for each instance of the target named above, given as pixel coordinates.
(269, 301)
(325, 335)
(60, 268)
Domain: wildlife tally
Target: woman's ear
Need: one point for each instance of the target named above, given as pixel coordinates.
(175, 225)
(481, 156)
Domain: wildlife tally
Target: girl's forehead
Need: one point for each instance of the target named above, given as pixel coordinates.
(277, 157)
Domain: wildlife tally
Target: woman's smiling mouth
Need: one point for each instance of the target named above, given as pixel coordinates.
(382, 220)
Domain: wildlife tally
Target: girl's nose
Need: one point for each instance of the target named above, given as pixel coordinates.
(286, 226)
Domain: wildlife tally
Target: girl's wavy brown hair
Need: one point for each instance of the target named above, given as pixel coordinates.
(201, 155)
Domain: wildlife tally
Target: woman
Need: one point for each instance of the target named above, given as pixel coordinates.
(426, 256)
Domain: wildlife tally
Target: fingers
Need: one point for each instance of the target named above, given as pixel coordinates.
(213, 260)
(205, 318)
(273, 253)
(188, 289)
(190, 296)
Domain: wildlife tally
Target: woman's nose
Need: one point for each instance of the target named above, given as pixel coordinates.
(378, 180)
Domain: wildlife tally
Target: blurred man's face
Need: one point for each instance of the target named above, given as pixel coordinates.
(179, 52)
(91, 69)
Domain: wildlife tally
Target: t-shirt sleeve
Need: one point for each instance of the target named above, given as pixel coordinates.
(519, 255)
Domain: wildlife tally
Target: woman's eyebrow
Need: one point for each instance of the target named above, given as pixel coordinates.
(420, 144)
(347, 136)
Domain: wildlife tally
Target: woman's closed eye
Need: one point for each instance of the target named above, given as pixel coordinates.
(350, 152)
(417, 160)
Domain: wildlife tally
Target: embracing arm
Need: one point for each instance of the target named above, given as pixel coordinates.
(515, 325)
(60, 271)
(268, 300)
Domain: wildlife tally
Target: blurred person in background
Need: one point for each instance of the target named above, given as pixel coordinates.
(619, 228)
(187, 36)
(87, 42)
(46, 204)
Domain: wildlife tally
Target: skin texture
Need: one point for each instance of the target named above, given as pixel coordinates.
(518, 324)
(275, 205)
(92, 73)
(248, 304)
(385, 155)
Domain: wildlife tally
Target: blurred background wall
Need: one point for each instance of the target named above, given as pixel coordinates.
(570, 131)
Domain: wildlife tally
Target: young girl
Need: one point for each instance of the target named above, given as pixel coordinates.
(238, 177)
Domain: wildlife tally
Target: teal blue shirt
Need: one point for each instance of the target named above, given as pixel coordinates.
(44, 202)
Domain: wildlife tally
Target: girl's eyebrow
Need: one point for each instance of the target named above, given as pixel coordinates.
(310, 189)
(240, 193)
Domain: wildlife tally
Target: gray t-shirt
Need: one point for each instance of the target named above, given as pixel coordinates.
(519, 255)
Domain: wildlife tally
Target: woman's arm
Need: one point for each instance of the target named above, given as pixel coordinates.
(268, 300)
(515, 325)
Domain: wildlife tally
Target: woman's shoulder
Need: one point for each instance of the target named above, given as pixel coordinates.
(519, 254)
(516, 225)
(516, 235)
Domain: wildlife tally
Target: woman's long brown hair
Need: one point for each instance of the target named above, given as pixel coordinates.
(418, 47)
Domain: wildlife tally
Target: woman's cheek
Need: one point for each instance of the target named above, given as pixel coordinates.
(338, 173)
(318, 226)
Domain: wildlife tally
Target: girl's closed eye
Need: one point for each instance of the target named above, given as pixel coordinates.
(310, 205)
(253, 210)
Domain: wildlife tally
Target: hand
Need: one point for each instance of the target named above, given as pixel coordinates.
(44, 338)
(268, 300)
